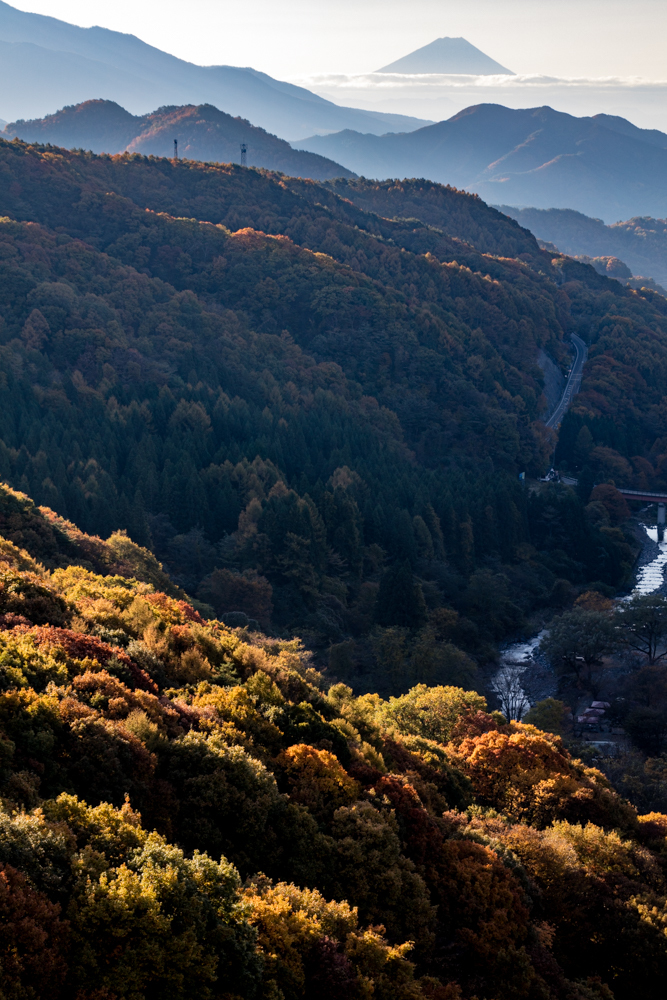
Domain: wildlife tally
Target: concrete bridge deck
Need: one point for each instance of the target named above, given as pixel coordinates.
(643, 495)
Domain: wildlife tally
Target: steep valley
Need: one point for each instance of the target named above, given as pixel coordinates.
(273, 456)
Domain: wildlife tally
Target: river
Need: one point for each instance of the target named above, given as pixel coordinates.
(509, 680)
(652, 576)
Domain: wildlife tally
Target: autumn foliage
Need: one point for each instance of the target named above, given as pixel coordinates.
(303, 395)
(191, 810)
(316, 415)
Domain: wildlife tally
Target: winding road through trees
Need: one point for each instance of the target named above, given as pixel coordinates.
(573, 383)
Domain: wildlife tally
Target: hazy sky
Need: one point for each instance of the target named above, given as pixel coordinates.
(295, 38)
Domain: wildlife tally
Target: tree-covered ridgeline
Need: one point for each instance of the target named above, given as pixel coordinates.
(287, 395)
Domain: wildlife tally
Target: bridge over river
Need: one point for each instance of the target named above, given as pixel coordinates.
(519, 657)
(572, 387)
(644, 495)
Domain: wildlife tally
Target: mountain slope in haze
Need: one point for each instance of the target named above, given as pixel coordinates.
(536, 156)
(617, 124)
(203, 133)
(640, 242)
(98, 125)
(46, 64)
(614, 267)
(447, 55)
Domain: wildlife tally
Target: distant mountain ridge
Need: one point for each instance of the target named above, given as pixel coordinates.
(640, 242)
(202, 131)
(602, 166)
(447, 55)
(99, 125)
(46, 63)
(621, 125)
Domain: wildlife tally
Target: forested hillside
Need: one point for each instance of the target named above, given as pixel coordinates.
(640, 242)
(202, 132)
(189, 810)
(314, 414)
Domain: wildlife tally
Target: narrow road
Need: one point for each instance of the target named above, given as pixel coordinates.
(573, 383)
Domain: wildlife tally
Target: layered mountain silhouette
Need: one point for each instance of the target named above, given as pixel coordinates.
(602, 166)
(202, 131)
(640, 242)
(447, 55)
(101, 126)
(46, 63)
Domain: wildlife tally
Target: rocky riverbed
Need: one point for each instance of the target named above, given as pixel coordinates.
(523, 676)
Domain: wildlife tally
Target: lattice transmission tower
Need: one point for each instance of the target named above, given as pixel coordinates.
(244, 155)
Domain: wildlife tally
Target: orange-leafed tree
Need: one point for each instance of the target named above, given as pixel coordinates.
(317, 779)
